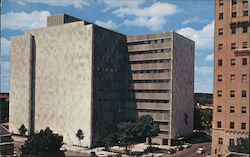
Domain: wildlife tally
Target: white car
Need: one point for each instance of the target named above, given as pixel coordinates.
(186, 145)
(200, 150)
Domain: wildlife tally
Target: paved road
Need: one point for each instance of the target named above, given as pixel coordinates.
(191, 152)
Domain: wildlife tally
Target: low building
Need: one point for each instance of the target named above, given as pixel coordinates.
(6, 142)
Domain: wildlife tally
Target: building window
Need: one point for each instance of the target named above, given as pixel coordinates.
(220, 16)
(219, 78)
(220, 62)
(219, 108)
(243, 126)
(155, 41)
(220, 141)
(220, 47)
(232, 77)
(232, 93)
(231, 125)
(244, 61)
(234, 14)
(232, 62)
(232, 109)
(243, 109)
(244, 45)
(219, 124)
(233, 28)
(231, 142)
(243, 93)
(221, 3)
(233, 46)
(234, 2)
(244, 77)
(220, 31)
(245, 1)
(245, 13)
(245, 27)
(219, 93)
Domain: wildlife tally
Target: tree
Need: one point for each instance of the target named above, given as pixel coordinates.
(80, 135)
(22, 130)
(206, 118)
(110, 140)
(44, 143)
(147, 128)
(126, 133)
(242, 146)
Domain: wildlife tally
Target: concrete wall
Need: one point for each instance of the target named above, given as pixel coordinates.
(182, 86)
(62, 80)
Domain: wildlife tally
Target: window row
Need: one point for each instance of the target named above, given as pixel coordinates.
(232, 109)
(231, 125)
(149, 41)
(233, 78)
(150, 51)
(150, 71)
(232, 93)
(233, 46)
(150, 61)
(233, 2)
(233, 15)
(234, 28)
(149, 81)
(150, 91)
(233, 62)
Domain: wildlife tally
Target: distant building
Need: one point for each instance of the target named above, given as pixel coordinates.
(77, 75)
(231, 74)
(162, 68)
(4, 107)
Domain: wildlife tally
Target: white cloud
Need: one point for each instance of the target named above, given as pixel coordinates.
(204, 70)
(24, 21)
(203, 38)
(111, 4)
(5, 47)
(210, 57)
(152, 17)
(60, 3)
(107, 24)
(194, 20)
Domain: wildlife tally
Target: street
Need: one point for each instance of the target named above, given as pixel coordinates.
(191, 152)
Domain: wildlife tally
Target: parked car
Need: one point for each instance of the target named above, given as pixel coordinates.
(171, 151)
(186, 145)
(200, 150)
(179, 148)
(63, 149)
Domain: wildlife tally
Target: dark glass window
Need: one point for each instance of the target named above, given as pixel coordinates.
(220, 141)
(244, 61)
(219, 109)
(234, 2)
(244, 93)
(220, 16)
(232, 93)
(243, 126)
(220, 62)
(245, 13)
(219, 124)
(234, 14)
(232, 109)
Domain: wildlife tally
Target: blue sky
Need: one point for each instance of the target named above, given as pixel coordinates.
(191, 18)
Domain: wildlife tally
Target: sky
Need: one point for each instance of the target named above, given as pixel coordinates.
(191, 18)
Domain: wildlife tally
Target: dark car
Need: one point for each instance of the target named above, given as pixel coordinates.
(171, 151)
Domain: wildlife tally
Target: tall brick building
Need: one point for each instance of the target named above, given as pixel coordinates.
(231, 74)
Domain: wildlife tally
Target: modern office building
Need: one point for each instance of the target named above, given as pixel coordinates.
(68, 76)
(162, 68)
(76, 75)
(231, 74)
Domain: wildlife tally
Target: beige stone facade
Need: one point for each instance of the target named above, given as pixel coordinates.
(162, 68)
(57, 75)
(231, 74)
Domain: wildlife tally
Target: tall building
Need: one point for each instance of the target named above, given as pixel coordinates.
(231, 74)
(76, 75)
(162, 68)
(68, 76)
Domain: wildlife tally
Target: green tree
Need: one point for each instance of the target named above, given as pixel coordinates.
(22, 130)
(242, 146)
(80, 135)
(206, 118)
(147, 128)
(44, 143)
(126, 133)
(109, 141)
